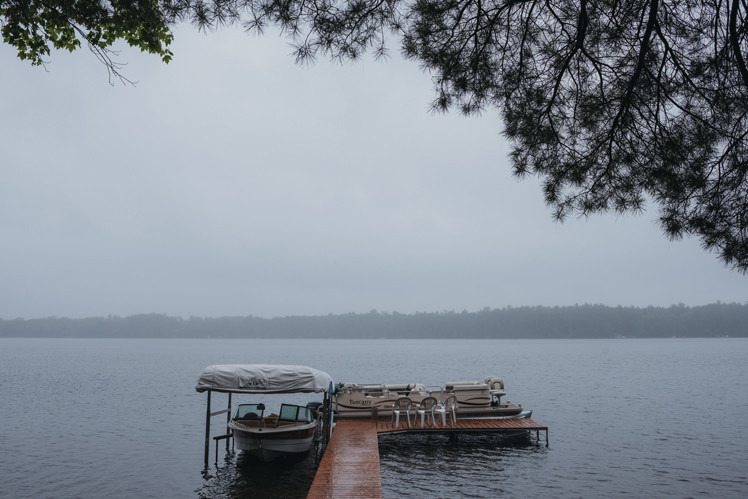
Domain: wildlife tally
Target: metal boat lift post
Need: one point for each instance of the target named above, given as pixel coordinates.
(227, 436)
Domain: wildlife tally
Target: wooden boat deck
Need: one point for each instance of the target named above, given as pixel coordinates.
(350, 465)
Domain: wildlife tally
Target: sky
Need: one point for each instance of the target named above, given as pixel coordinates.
(235, 182)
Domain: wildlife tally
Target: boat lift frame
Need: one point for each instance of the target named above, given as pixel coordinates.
(326, 421)
(208, 415)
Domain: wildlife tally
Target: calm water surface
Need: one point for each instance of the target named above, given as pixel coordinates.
(120, 418)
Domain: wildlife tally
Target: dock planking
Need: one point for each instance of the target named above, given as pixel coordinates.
(350, 465)
(477, 425)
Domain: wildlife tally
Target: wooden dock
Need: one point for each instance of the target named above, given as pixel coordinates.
(350, 465)
(475, 425)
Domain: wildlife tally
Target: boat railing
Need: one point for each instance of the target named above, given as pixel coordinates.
(348, 387)
(435, 390)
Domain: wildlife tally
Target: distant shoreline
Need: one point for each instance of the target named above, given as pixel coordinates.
(570, 322)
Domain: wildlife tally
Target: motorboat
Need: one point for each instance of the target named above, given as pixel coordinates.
(267, 437)
(289, 433)
(474, 398)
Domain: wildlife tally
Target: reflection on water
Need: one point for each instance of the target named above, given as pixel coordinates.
(450, 465)
(242, 476)
(411, 465)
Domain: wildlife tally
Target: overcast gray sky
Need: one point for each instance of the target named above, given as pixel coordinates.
(234, 182)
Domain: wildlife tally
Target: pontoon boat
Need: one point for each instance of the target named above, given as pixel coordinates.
(474, 398)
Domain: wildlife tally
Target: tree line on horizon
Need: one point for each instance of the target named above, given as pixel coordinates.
(527, 322)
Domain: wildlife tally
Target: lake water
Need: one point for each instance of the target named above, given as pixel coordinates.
(121, 419)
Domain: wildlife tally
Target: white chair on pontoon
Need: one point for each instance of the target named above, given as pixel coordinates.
(447, 407)
(401, 405)
(426, 410)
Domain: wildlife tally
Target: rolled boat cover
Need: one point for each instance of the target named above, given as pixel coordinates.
(263, 378)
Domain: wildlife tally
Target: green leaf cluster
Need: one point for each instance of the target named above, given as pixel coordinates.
(34, 27)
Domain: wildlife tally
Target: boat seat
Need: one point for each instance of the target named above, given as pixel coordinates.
(270, 422)
(466, 387)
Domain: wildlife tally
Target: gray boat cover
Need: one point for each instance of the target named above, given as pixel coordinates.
(263, 378)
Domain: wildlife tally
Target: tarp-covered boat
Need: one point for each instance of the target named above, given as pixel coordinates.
(292, 430)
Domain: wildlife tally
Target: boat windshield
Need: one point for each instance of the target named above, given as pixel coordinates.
(290, 412)
(249, 411)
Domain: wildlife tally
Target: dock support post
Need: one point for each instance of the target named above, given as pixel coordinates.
(228, 419)
(207, 431)
(325, 418)
(327, 413)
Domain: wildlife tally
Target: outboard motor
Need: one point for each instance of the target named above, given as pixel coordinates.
(314, 407)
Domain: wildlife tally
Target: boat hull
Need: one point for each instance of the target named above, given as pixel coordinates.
(269, 444)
